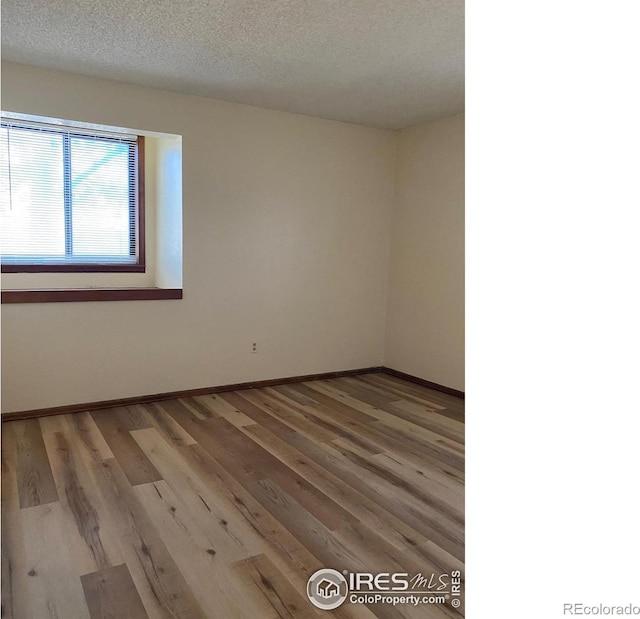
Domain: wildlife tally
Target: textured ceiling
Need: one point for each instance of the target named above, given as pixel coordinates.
(383, 63)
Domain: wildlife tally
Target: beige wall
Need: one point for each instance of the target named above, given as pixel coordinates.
(286, 225)
(425, 310)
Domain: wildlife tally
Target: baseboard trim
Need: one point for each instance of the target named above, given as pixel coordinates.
(423, 382)
(170, 395)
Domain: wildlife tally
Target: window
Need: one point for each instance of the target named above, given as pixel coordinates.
(71, 199)
(72, 211)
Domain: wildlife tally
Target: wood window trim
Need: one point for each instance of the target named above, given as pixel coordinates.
(73, 268)
(67, 295)
(138, 267)
(140, 215)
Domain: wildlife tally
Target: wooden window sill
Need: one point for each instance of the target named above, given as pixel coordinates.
(66, 295)
(73, 268)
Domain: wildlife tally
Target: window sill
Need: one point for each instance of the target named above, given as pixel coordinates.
(73, 268)
(67, 295)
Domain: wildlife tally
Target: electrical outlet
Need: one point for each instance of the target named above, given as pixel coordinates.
(254, 347)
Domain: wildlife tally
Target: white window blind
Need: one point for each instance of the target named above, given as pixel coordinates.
(67, 195)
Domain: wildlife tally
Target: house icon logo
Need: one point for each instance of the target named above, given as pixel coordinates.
(327, 589)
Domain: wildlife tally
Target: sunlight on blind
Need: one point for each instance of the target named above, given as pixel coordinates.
(66, 196)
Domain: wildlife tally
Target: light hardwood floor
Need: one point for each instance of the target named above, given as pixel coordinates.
(223, 505)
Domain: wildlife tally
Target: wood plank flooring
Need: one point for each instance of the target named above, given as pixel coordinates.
(223, 505)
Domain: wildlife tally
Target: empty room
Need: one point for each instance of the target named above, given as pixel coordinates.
(232, 238)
